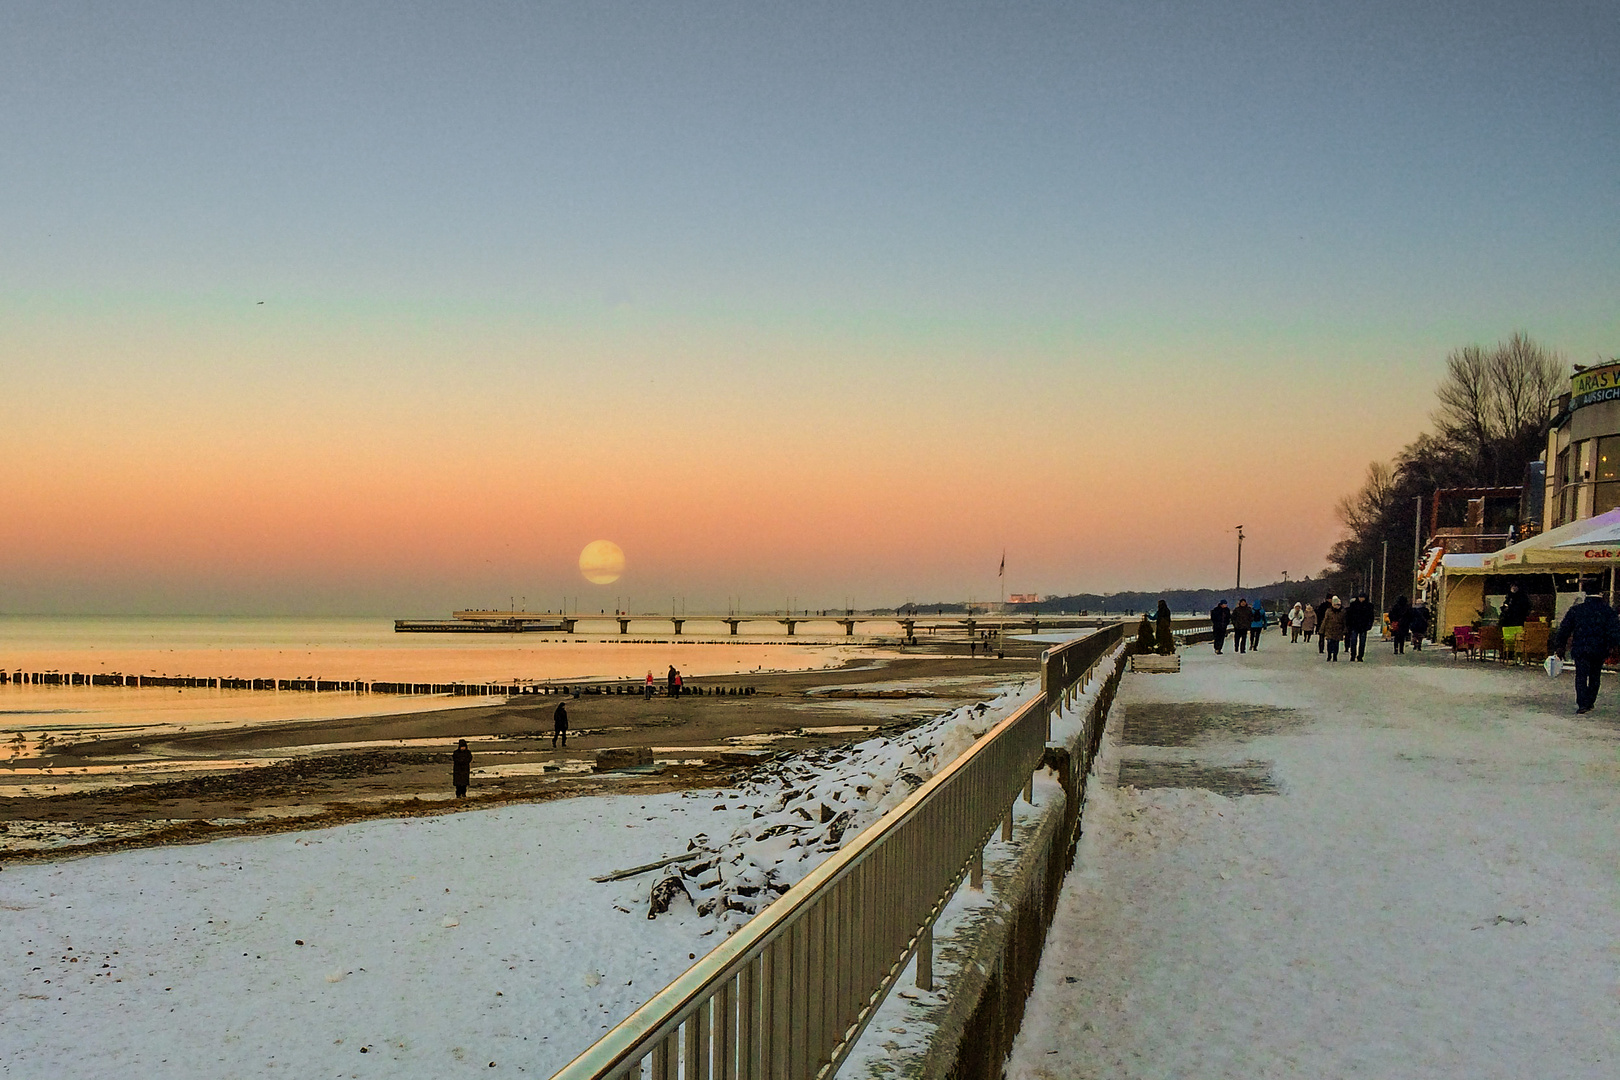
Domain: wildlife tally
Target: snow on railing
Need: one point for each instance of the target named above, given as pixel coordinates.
(788, 994)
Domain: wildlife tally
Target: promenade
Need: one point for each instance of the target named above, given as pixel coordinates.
(1414, 871)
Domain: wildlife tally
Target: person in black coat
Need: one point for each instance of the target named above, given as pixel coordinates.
(1399, 614)
(1515, 609)
(559, 726)
(1417, 621)
(1220, 619)
(1358, 619)
(1321, 613)
(1589, 632)
(1242, 619)
(461, 768)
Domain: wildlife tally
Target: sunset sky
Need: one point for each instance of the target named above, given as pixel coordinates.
(390, 308)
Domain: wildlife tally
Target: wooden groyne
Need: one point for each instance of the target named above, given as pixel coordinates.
(352, 686)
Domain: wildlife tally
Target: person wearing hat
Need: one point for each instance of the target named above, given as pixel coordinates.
(1590, 630)
(1332, 627)
(461, 768)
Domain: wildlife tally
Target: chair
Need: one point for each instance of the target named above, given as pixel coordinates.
(1533, 642)
(1490, 641)
(1464, 640)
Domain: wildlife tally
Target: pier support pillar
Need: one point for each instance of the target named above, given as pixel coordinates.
(790, 624)
(624, 626)
(677, 623)
(733, 624)
(849, 627)
(568, 625)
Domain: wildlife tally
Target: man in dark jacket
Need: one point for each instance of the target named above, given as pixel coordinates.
(1358, 619)
(461, 768)
(1515, 609)
(1220, 618)
(1417, 621)
(1589, 631)
(1321, 613)
(559, 726)
(1242, 619)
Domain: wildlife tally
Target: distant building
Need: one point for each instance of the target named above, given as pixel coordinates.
(1023, 598)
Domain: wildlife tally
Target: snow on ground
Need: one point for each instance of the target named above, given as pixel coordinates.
(1434, 894)
(811, 804)
(416, 947)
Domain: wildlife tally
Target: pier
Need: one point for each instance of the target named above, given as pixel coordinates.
(517, 622)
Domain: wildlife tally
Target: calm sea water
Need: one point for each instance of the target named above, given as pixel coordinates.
(328, 648)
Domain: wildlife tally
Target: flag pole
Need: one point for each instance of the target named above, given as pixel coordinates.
(1001, 631)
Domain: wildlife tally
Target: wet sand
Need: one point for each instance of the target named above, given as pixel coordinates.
(310, 773)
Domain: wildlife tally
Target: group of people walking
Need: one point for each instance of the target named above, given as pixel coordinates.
(1333, 622)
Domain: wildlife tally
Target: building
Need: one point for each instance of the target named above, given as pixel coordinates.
(1583, 447)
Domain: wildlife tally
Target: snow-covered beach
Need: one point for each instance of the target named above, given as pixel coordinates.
(1433, 893)
(419, 946)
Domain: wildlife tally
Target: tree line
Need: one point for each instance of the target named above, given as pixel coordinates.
(1489, 424)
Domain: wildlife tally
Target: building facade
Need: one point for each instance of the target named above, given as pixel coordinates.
(1583, 447)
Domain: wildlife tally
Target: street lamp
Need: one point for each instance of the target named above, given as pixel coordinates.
(1239, 586)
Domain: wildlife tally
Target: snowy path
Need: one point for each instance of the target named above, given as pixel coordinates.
(1434, 893)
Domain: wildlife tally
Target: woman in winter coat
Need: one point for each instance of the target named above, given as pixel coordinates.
(1296, 622)
(1333, 627)
(1310, 623)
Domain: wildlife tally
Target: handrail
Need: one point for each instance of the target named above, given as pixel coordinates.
(787, 995)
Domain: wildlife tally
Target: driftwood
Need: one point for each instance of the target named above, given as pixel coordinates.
(620, 875)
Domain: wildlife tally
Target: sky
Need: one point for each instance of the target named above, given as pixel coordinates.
(391, 308)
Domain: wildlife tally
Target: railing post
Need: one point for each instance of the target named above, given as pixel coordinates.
(925, 958)
(1006, 825)
(976, 871)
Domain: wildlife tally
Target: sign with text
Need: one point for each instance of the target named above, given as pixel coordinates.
(1594, 385)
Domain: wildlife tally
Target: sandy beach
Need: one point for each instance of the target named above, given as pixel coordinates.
(100, 792)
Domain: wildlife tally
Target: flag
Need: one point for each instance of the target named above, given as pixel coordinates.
(1003, 571)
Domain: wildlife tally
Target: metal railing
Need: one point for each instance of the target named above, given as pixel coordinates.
(787, 995)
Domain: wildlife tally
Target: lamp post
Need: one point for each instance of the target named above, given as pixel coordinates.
(1239, 586)
(1383, 581)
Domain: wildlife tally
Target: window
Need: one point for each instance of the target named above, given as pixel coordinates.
(1608, 459)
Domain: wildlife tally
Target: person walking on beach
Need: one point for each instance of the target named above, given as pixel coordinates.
(1296, 622)
(1242, 619)
(1590, 631)
(673, 679)
(649, 684)
(1256, 624)
(559, 726)
(1399, 617)
(461, 768)
(1321, 616)
(1332, 628)
(1220, 619)
(1310, 623)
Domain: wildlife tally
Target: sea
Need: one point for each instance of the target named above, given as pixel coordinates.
(349, 649)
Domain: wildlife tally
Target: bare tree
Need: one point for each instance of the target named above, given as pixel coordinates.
(1493, 405)
(1363, 512)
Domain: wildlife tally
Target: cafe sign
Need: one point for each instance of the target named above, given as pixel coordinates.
(1594, 385)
